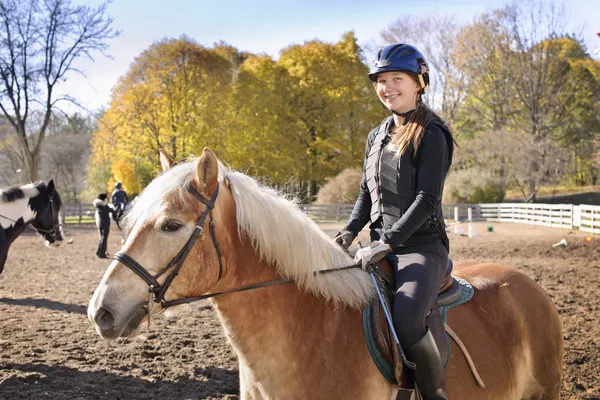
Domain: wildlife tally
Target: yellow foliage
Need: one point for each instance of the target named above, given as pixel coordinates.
(305, 116)
(123, 171)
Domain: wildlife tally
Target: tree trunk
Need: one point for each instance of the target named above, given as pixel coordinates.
(33, 160)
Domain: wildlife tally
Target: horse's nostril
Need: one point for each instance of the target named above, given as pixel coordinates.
(104, 319)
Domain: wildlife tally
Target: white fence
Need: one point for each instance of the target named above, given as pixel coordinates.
(568, 216)
(587, 218)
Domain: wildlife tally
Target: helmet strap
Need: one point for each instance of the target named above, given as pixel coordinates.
(422, 81)
(406, 115)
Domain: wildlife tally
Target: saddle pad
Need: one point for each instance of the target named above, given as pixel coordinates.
(467, 292)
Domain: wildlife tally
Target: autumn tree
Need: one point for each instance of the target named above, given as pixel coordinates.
(480, 55)
(170, 97)
(256, 127)
(40, 42)
(334, 107)
(303, 117)
(525, 77)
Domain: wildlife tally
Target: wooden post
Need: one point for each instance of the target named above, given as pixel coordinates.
(456, 222)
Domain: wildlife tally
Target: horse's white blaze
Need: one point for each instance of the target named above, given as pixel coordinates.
(118, 295)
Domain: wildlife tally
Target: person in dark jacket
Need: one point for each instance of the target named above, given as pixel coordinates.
(119, 200)
(103, 214)
(406, 161)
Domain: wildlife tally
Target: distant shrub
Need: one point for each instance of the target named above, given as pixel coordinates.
(342, 188)
(473, 186)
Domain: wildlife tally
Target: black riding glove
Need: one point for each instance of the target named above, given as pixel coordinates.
(344, 239)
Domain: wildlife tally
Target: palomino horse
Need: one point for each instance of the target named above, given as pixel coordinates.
(37, 204)
(304, 340)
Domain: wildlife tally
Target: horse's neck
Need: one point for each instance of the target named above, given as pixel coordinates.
(268, 326)
(264, 325)
(13, 232)
(12, 212)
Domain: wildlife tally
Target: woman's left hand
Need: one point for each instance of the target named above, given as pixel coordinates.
(373, 254)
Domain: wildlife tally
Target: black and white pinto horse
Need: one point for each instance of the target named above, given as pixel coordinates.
(35, 204)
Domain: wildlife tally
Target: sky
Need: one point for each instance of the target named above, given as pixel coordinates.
(267, 26)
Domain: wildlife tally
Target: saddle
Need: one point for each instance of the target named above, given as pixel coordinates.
(380, 339)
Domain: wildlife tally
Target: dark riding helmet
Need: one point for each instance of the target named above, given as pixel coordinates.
(118, 185)
(401, 57)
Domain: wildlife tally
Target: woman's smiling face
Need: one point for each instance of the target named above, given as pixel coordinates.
(397, 90)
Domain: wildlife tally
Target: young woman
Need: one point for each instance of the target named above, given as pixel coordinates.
(119, 200)
(406, 160)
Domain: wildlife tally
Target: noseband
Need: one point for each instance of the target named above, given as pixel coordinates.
(156, 289)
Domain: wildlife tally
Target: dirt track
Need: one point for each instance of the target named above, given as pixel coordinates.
(50, 351)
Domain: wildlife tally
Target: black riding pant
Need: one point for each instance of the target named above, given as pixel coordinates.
(103, 230)
(419, 275)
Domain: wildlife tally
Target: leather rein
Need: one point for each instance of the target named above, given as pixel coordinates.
(158, 291)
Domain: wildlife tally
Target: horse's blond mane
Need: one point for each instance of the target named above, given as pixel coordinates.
(286, 238)
(280, 232)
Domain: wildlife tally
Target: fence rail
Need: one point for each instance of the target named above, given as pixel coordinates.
(588, 218)
(78, 214)
(567, 216)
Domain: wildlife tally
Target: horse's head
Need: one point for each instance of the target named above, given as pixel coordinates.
(176, 208)
(46, 206)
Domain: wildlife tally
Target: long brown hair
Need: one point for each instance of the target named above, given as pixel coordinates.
(413, 129)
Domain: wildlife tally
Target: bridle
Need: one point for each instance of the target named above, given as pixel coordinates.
(158, 291)
(54, 232)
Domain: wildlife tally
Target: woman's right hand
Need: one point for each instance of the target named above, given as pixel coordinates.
(344, 239)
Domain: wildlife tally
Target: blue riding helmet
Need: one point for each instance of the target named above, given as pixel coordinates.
(401, 57)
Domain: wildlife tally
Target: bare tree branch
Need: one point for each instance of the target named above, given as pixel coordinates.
(40, 40)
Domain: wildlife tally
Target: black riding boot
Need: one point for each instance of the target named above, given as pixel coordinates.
(429, 372)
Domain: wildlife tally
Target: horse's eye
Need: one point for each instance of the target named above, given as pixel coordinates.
(171, 226)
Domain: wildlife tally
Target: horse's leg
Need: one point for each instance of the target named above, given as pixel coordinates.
(3, 249)
(546, 351)
(248, 389)
(2, 262)
(501, 327)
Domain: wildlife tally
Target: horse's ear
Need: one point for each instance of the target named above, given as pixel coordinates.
(207, 172)
(50, 187)
(165, 161)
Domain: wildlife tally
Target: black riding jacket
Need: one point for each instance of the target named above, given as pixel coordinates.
(103, 213)
(401, 197)
(119, 196)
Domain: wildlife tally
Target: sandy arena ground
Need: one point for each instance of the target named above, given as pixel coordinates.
(49, 350)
